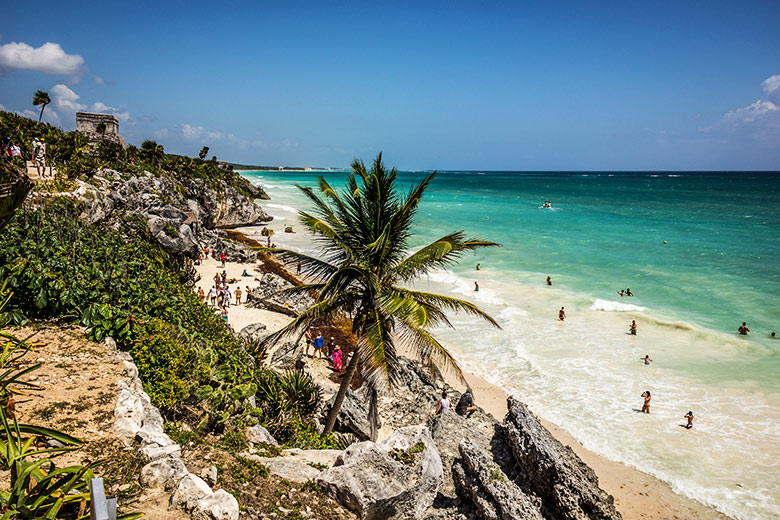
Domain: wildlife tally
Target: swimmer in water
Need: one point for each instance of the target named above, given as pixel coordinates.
(476, 286)
(689, 416)
(743, 329)
(621, 292)
(629, 293)
(477, 267)
(549, 281)
(773, 336)
(632, 328)
(647, 359)
(561, 314)
(646, 406)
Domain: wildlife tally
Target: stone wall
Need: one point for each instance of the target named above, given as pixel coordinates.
(87, 122)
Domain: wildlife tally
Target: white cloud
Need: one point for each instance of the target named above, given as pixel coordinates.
(65, 99)
(99, 80)
(771, 86)
(760, 120)
(198, 133)
(48, 58)
(102, 108)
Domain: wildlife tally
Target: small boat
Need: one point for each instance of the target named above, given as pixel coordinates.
(547, 204)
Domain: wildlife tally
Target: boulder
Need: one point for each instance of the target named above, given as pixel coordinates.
(163, 473)
(153, 452)
(254, 332)
(287, 355)
(395, 479)
(257, 434)
(352, 416)
(494, 496)
(268, 295)
(568, 488)
(288, 229)
(220, 505)
(188, 492)
(288, 468)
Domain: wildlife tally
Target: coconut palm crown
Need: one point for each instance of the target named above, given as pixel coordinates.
(41, 98)
(363, 231)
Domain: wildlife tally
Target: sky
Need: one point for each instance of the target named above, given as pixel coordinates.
(625, 85)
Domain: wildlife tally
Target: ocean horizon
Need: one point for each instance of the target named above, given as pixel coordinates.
(699, 250)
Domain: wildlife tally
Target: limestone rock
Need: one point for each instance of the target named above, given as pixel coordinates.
(163, 473)
(257, 434)
(288, 468)
(220, 505)
(153, 452)
(287, 355)
(369, 480)
(209, 474)
(569, 489)
(188, 492)
(492, 493)
(268, 295)
(254, 332)
(352, 416)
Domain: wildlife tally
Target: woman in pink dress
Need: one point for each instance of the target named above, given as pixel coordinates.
(337, 358)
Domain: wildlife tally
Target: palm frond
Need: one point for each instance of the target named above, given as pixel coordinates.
(428, 348)
(440, 253)
(446, 302)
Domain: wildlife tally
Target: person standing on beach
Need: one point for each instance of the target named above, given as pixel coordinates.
(331, 346)
(549, 281)
(201, 294)
(298, 269)
(562, 314)
(337, 356)
(308, 342)
(318, 342)
(743, 329)
(238, 296)
(222, 259)
(213, 295)
(206, 252)
(632, 328)
(444, 404)
(689, 416)
(646, 406)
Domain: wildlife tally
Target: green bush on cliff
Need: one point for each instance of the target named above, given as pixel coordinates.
(115, 280)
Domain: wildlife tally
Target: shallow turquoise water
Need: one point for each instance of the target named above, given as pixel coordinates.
(719, 267)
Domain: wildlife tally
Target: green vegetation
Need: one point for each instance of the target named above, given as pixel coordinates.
(72, 155)
(311, 485)
(37, 488)
(318, 466)
(114, 280)
(408, 457)
(364, 232)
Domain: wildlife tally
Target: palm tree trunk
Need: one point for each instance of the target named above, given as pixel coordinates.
(41, 115)
(334, 411)
(373, 415)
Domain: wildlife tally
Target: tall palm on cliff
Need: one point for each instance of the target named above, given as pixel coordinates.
(41, 98)
(363, 232)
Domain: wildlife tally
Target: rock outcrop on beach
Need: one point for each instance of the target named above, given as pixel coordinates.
(395, 479)
(269, 295)
(568, 487)
(494, 496)
(176, 211)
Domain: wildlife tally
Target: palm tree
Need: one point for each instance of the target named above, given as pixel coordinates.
(152, 151)
(364, 233)
(203, 152)
(41, 98)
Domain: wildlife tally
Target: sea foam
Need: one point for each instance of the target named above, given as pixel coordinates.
(610, 306)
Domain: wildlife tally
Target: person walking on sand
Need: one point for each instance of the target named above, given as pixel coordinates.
(222, 259)
(632, 328)
(647, 359)
(562, 314)
(238, 296)
(206, 252)
(646, 406)
(213, 295)
(444, 404)
(201, 294)
(308, 337)
(743, 329)
(689, 416)
(298, 269)
(549, 281)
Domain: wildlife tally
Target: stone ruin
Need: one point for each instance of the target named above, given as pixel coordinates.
(87, 124)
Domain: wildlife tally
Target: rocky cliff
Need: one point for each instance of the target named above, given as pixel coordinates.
(176, 211)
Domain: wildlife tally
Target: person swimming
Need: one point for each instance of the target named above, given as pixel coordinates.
(689, 416)
(476, 286)
(477, 267)
(743, 329)
(621, 292)
(629, 293)
(549, 281)
(647, 359)
(773, 336)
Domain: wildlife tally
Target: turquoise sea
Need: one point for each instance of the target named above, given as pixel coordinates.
(701, 253)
